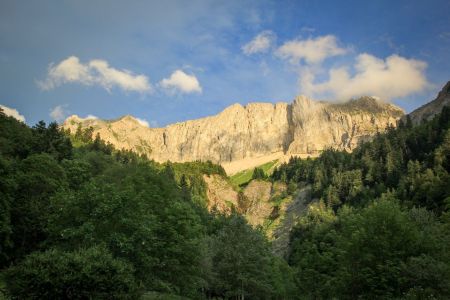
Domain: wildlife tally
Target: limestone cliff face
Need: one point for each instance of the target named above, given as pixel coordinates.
(304, 127)
(317, 126)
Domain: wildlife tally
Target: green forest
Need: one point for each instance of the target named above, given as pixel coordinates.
(80, 219)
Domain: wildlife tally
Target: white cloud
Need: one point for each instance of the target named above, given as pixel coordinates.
(91, 117)
(12, 113)
(182, 82)
(394, 77)
(143, 122)
(311, 50)
(58, 113)
(95, 72)
(261, 43)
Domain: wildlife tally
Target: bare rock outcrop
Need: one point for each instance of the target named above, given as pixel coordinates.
(221, 195)
(258, 193)
(257, 130)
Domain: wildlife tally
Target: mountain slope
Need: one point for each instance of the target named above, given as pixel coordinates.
(429, 110)
(241, 137)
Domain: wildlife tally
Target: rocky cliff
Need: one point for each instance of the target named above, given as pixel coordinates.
(262, 203)
(429, 110)
(255, 133)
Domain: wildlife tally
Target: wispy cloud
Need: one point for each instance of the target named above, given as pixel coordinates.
(394, 77)
(181, 82)
(12, 112)
(261, 43)
(311, 50)
(95, 72)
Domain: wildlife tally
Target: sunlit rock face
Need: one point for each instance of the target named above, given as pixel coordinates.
(257, 130)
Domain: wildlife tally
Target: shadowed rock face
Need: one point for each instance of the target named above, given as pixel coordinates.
(255, 130)
(429, 110)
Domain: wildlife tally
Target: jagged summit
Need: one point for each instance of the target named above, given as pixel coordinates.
(241, 136)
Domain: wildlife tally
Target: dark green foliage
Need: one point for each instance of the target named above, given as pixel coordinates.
(185, 191)
(413, 161)
(38, 178)
(377, 252)
(240, 264)
(90, 273)
(15, 137)
(51, 140)
(258, 173)
(96, 222)
(380, 229)
(190, 177)
(131, 215)
(198, 167)
(6, 186)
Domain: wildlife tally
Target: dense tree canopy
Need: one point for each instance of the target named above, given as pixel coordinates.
(379, 227)
(94, 222)
(81, 219)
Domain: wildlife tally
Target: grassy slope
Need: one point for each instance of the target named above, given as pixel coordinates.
(246, 175)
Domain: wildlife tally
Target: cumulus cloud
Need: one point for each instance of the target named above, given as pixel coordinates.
(394, 77)
(95, 72)
(261, 43)
(11, 112)
(311, 50)
(58, 113)
(181, 82)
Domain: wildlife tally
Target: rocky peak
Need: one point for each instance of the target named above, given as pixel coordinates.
(429, 110)
(234, 108)
(130, 120)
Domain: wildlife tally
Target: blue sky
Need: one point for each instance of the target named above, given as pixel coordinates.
(169, 61)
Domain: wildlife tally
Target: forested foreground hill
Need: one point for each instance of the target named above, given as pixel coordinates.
(380, 225)
(80, 219)
(92, 222)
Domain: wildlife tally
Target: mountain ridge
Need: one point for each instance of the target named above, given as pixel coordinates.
(240, 134)
(430, 109)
